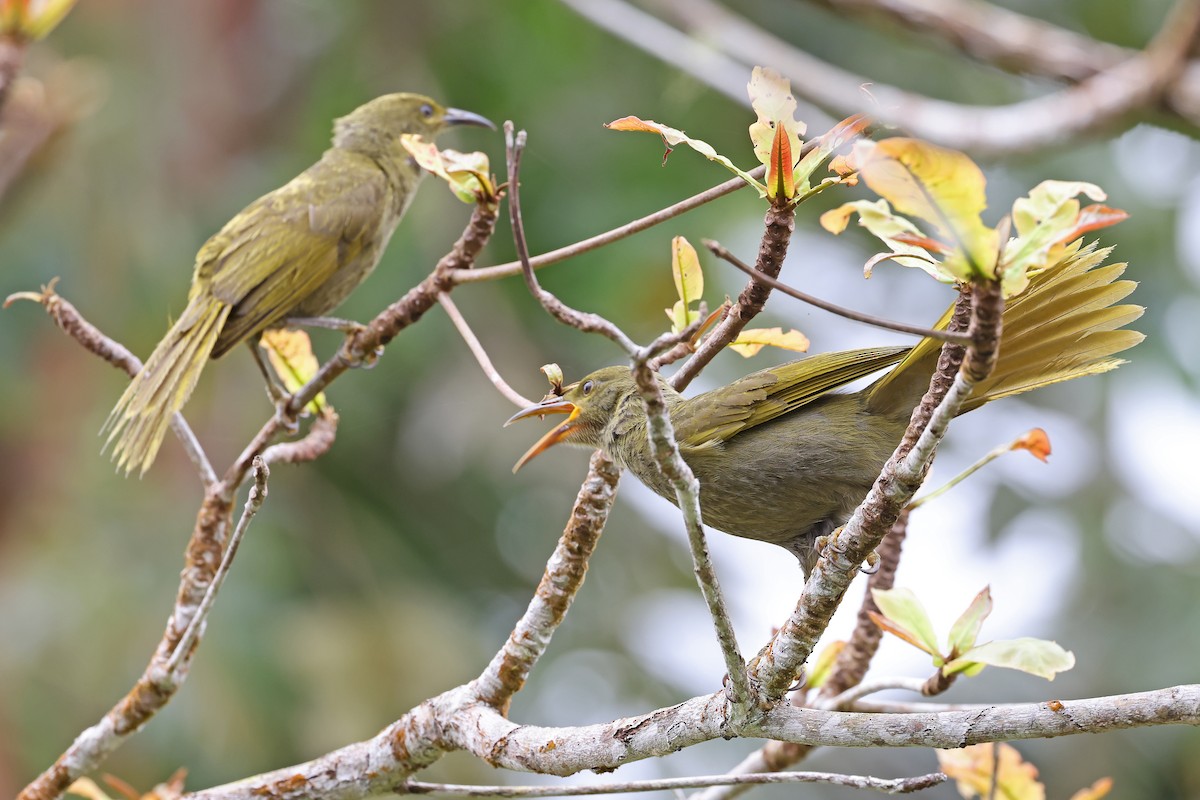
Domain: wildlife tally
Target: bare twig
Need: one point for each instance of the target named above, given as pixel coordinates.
(315, 443)
(608, 237)
(254, 501)
(847, 698)
(857, 316)
(477, 350)
(886, 785)
(68, 318)
(687, 493)
(588, 323)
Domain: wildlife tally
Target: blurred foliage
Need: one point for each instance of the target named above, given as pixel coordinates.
(391, 569)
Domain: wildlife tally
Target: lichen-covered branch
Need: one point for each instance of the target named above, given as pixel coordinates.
(564, 574)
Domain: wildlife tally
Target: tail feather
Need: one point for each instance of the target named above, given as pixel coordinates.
(1065, 325)
(139, 421)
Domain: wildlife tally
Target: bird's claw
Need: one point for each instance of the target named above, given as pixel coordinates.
(871, 565)
(283, 417)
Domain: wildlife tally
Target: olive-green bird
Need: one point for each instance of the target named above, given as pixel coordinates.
(296, 252)
(783, 458)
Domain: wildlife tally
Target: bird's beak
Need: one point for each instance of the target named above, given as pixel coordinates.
(556, 434)
(456, 116)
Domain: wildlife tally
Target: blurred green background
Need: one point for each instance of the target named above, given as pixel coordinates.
(392, 568)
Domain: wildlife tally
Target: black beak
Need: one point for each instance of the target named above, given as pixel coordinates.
(456, 116)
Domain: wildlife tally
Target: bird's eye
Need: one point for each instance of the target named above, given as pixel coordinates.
(587, 387)
(427, 111)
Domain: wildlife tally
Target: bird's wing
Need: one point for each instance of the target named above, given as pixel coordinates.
(277, 252)
(762, 396)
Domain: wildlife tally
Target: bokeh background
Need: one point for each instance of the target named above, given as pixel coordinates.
(392, 568)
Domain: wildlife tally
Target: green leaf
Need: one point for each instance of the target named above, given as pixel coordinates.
(672, 137)
(965, 630)
(1036, 656)
(902, 608)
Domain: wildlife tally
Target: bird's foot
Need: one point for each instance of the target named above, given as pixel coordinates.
(830, 541)
(286, 420)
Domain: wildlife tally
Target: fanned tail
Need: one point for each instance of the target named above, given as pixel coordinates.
(137, 424)
(1065, 325)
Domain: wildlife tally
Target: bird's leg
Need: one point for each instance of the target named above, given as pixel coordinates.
(346, 326)
(279, 396)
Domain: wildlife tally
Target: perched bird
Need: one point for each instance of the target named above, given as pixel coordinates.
(783, 458)
(296, 252)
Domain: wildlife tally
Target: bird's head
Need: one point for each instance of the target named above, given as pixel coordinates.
(380, 122)
(589, 404)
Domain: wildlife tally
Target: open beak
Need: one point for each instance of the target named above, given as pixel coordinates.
(456, 116)
(555, 435)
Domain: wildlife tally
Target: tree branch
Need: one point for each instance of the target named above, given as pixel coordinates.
(1096, 102)
(564, 574)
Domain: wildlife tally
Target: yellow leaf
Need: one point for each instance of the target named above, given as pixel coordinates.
(465, 173)
(685, 268)
(749, 342)
(554, 374)
(776, 133)
(291, 356)
(823, 666)
(943, 187)
(86, 787)
(971, 768)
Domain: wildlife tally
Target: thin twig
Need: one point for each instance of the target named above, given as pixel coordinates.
(778, 225)
(588, 323)
(857, 316)
(608, 237)
(854, 693)
(666, 450)
(316, 442)
(68, 318)
(886, 785)
(254, 501)
(477, 350)
(687, 494)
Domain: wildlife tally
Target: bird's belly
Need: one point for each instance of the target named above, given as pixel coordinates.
(786, 483)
